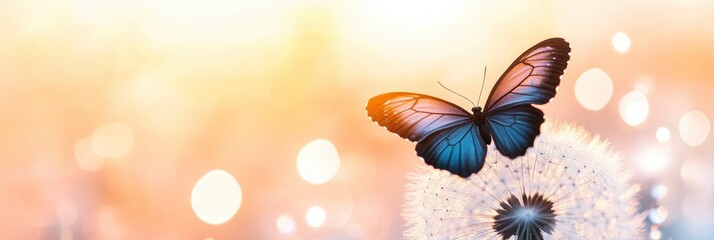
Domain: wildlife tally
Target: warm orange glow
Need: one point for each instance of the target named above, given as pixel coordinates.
(112, 111)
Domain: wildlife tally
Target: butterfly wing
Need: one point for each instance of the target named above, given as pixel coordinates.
(531, 79)
(458, 149)
(515, 130)
(412, 115)
(447, 137)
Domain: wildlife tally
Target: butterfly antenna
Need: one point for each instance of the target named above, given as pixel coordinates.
(442, 85)
(482, 83)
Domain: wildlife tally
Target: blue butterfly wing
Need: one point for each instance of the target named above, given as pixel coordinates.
(531, 79)
(412, 115)
(515, 130)
(458, 149)
(446, 136)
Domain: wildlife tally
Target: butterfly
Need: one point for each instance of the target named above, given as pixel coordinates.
(450, 138)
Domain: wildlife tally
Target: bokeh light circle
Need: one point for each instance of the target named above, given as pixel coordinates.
(694, 128)
(663, 134)
(659, 191)
(216, 197)
(85, 156)
(34, 207)
(690, 171)
(621, 42)
(696, 174)
(285, 224)
(658, 215)
(634, 108)
(653, 160)
(318, 161)
(594, 78)
(698, 211)
(315, 216)
(113, 140)
(655, 234)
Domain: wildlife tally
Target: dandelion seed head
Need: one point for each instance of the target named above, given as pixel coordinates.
(526, 218)
(569, 185)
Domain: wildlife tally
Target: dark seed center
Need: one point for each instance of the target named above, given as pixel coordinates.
(525, 218)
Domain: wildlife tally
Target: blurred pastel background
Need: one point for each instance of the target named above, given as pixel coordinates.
(242, 119)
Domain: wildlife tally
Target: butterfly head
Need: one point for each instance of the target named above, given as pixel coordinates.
(478, 116)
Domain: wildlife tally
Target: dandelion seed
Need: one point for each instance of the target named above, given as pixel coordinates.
(568, 186)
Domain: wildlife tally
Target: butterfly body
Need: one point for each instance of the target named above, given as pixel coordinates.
(479, 119)
(449, 137)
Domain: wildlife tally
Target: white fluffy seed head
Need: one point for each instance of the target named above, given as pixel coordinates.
(579, 174)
